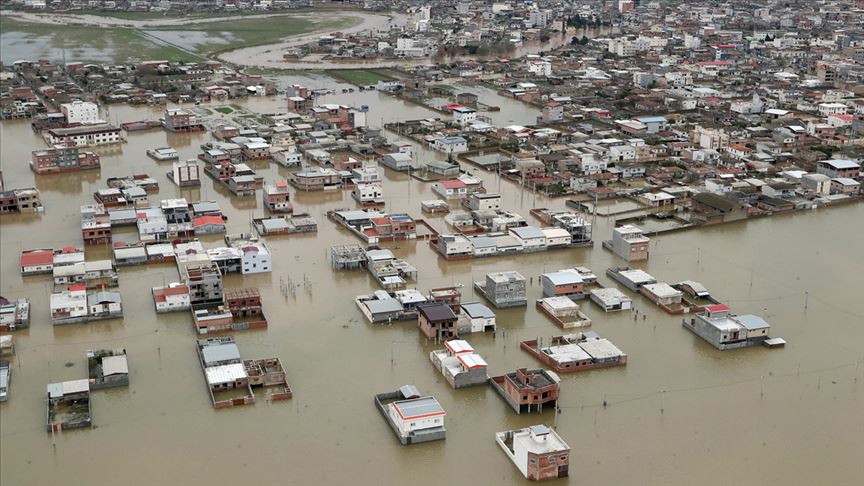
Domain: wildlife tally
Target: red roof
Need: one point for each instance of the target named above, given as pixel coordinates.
(202, 220)
(717, 308)
(77, 288)
(160, 294)
(453, 184)
(37, 257)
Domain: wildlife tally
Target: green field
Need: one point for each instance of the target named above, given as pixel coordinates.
(363, 77)
(124, 44)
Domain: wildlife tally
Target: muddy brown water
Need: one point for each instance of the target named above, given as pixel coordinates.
(680, 412)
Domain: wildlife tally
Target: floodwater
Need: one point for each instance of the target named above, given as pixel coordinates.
(21, 45)
(679, 413)
(190, 39)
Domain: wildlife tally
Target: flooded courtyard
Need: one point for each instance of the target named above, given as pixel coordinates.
(680, 412)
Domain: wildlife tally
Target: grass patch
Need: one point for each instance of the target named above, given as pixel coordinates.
(224, 109)
(363, 77)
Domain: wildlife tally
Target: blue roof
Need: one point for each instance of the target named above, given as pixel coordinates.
(651, 119)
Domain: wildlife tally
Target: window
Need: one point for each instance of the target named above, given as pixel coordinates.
(552, 460)
(563, 458)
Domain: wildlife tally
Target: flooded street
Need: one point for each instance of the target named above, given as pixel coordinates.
(679, 413)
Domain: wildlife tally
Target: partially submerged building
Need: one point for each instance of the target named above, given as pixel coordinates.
(383, 306)
(14, 314)
(576, 352)
(526, 390)
(5, 379)
(563, 312)
(503, 289)
(611, 299)
(632, 278)
(173, 297)
(629, 243)
(566, 283)
(68, 405)
(665, 296)
(437, 321)
(107, 368)
(725, 330)
(459, 364)
(414, 418)
(227, 379)
(475, 317)
(538, 452)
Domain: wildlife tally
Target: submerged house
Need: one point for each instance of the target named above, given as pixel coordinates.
(459, 364)
(475, 317)
(503, 289)
(576, 352)
(437, 321)
(629, 243)
(107, 368)
(68, 405)
(724, 330)
(538, 452)
(563, 312)
(567, 283)
(526, 390)
(611, 299)
(14, 314)
(414, 418)
(227, 379)
(104, 305)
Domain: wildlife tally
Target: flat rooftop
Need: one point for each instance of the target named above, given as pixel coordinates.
(418, 408)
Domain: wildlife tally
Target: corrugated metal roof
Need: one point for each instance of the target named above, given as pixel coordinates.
(114, 365)
(216, 353)
(225, 373)
(418, 408)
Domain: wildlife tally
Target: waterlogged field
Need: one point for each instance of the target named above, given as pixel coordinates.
(25, 39)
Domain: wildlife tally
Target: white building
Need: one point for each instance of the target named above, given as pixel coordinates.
(826, 109)
(455, 245)
(69, 305)
(172, 298)
(480, 317)
(464, 116)
(81, 112)
(540, 67)
(451, 145)
(368, 193)
(186, 173)
(255, 255)
(415, 415)
(288, 158)
(537, 451)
